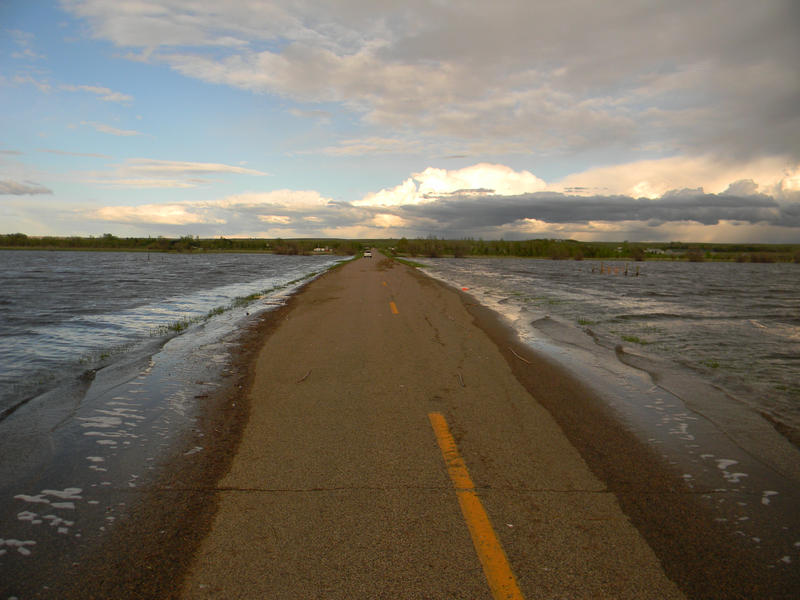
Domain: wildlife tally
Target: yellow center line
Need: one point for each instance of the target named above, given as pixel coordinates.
(393, 306)
(495, 563)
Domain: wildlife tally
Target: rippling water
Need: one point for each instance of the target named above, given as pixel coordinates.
(736, 325)
(62, 313)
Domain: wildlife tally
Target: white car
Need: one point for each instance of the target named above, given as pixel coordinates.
(367, 254)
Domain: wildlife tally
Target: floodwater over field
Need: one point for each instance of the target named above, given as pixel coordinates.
(735, 325)
(700, 360)
(106, 360)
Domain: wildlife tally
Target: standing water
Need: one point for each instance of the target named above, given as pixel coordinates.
(700, 360)
(105, 362)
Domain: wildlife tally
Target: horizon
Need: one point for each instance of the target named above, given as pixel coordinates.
(671, 121)
(677, 243)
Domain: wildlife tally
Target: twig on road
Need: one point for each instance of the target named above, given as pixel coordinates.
(518, 356)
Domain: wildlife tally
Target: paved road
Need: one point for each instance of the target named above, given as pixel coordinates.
(391, 453)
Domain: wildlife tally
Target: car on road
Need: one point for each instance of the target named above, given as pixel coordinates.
(367, 254)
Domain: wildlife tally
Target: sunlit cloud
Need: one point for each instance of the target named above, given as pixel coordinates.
(170, 214)
(434, 183)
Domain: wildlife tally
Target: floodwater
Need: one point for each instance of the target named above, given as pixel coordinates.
(700, 360)
(105, 362)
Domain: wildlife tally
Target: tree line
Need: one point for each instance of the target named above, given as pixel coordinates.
(558, 249)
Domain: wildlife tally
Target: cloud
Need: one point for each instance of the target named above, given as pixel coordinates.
(695, 78)
(28, 188)
(492, 201)
(474, 213)
(315, 114)
(24, 41)
(371, 146)
(151, 166)
(103, 128)
(158, 214)
(155, 173)
(67, 153)
(434, 183)
(42, 86)
(105, 94)
(653, 178)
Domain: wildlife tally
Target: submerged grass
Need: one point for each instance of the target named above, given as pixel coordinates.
(409, 263)
(184, 323)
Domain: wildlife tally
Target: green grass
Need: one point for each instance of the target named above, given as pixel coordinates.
(635, 340)
(410, 263)
(583, 321)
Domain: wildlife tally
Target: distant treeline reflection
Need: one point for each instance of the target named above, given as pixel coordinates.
(429, 247)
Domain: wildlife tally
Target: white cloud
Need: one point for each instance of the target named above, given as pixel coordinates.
(103, 128)
(42, 86)
(257, 201)
(276, 219)
(653, 178)
(152, 166)
(155, 173)
(170, 214)
(434, 183)
(105, 94)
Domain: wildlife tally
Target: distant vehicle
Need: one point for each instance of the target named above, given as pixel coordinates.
(367, 254)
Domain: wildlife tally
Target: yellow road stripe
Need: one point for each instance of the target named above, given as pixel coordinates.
(393, 306)
(495, 563)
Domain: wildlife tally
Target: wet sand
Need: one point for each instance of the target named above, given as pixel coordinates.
(324, 478)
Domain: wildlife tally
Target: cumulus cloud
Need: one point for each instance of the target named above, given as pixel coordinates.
(433, 183)
(28, 188)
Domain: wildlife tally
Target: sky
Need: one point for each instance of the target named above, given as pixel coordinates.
(629, 120)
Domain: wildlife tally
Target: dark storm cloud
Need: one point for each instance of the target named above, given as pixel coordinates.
(471, 213)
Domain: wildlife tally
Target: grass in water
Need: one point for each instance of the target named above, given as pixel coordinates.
(635, 340)
(410, 263)
(586, 322)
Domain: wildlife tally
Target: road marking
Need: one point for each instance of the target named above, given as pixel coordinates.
(393, 306)
(495, 563)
